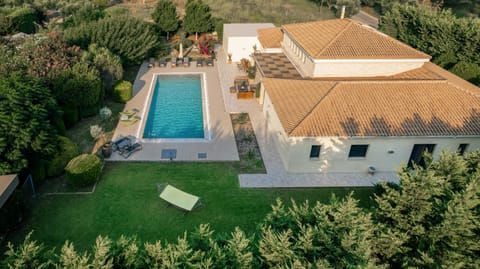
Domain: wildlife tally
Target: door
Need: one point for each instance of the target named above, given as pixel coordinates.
(417, 154)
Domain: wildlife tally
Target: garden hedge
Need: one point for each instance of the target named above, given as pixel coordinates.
(83, 170)
(67, 149)
(122, 91)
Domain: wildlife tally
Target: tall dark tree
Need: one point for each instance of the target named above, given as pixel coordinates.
(165, 16)
(334, 235)
(198, 17)
(27, 116)
(431, 219)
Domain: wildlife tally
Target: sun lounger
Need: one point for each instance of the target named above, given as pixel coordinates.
(162, 62)
(121, 143)
(129, 112)
(151, 63)
(126, 152)
(130, 121)
(209, 61)
(199, 62)
(186, 62)
(178, 198)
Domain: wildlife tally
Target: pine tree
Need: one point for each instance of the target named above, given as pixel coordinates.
(165, 16)
(198, 17)
(432, 218)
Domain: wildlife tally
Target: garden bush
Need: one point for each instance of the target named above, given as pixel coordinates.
(83, 170)
(67, 149)
(468, 71)
(123, 91)
(105, 113)
(70, 116)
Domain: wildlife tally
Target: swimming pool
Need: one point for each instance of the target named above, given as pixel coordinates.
(176, 108)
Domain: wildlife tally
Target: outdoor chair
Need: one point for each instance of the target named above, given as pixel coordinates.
(121, 143)
(186, 62)
(199, 62)
(173, 62)
(178, 198)
(127, 151)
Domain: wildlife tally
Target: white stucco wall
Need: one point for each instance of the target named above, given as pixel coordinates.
(334, 152)
(310, 67)
(386, 154)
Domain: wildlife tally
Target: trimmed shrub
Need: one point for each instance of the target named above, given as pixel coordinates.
(70, 116)
(67, 149)
(123, 91)
(83, 170)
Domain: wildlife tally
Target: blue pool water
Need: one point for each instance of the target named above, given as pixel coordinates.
(176, 108)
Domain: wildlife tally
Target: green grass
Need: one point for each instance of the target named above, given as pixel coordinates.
(126, 202)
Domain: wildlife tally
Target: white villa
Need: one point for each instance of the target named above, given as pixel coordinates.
(341, 97)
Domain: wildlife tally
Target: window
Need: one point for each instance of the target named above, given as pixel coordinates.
(358, 151)
(461, 149)
(315, 151)
(417, 154)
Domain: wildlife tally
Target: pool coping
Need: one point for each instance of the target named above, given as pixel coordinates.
(205, 113)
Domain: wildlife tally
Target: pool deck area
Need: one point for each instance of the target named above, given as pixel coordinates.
(222, 147)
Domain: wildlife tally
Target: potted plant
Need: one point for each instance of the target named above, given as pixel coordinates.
(107, 150)
(251, 74)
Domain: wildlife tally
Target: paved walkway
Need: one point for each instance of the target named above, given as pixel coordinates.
(276, 175)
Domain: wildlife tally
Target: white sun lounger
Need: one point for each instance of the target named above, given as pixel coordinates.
(178, 198)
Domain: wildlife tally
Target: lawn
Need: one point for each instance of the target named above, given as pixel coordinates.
(126, 202)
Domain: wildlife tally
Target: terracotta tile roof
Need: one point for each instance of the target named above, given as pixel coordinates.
(374, 108)
(270, 37)
(347, 39)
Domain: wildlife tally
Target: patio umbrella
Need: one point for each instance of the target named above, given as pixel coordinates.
(180, 55)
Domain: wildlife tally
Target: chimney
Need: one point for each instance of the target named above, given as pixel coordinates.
(342, 15)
